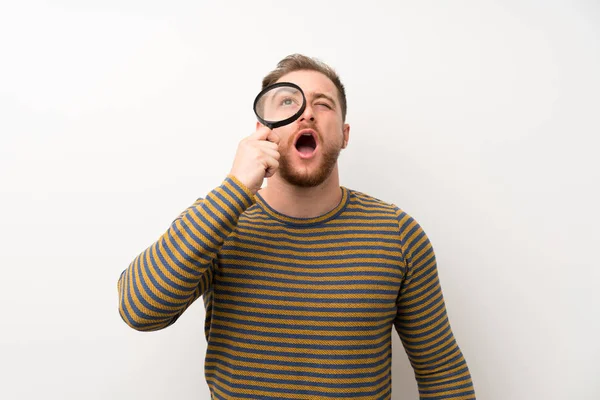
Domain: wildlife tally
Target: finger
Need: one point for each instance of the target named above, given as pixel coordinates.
(261, 133)
(263, 144)
(271, 153)
(273, 137)
(273, 165)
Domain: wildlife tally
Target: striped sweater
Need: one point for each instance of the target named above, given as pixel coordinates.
(300, 308)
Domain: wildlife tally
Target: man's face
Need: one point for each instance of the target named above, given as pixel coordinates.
(310, 146)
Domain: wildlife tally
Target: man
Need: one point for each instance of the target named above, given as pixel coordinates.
(302, 280)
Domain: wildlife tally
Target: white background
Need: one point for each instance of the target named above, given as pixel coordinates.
(478, 118)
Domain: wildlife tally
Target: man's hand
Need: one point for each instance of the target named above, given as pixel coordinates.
(257, 158)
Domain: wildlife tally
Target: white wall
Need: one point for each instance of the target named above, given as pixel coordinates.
(479, 118)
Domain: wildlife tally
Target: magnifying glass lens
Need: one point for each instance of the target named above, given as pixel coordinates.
(279, 105)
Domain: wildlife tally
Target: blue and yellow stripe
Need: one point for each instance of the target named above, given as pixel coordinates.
(300, 308)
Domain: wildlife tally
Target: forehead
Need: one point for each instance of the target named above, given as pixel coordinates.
(311, 82)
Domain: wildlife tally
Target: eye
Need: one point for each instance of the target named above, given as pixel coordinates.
(288, 101)
(325, 105)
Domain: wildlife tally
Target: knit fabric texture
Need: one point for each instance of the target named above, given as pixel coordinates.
(300, 308)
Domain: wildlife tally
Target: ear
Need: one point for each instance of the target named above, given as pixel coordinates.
(346, 132)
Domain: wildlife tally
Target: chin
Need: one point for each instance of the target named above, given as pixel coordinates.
(308, 173)
(305, 176)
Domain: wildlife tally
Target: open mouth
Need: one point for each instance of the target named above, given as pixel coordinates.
(306, 144)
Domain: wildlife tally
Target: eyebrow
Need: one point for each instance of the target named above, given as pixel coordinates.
(316, 96)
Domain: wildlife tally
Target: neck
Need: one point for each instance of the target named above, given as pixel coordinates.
(301, 202)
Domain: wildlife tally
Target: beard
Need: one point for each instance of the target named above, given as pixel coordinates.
(302, 176)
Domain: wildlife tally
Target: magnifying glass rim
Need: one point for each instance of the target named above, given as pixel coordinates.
(277, 124)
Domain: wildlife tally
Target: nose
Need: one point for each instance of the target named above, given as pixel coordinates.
(308, 114)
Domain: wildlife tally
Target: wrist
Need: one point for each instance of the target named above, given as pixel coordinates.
(247, 189)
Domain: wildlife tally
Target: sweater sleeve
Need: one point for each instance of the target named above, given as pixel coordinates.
(167, 277)
(422, 323)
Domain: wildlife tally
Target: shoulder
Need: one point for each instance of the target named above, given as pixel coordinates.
(408, 227)
(369, 202)
(365, 201)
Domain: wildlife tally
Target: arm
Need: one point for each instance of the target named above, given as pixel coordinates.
(440, 368)
(167, 277)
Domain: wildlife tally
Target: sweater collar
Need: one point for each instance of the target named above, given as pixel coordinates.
(305, 221)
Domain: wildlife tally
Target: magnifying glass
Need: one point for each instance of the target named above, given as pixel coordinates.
(279, 104)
